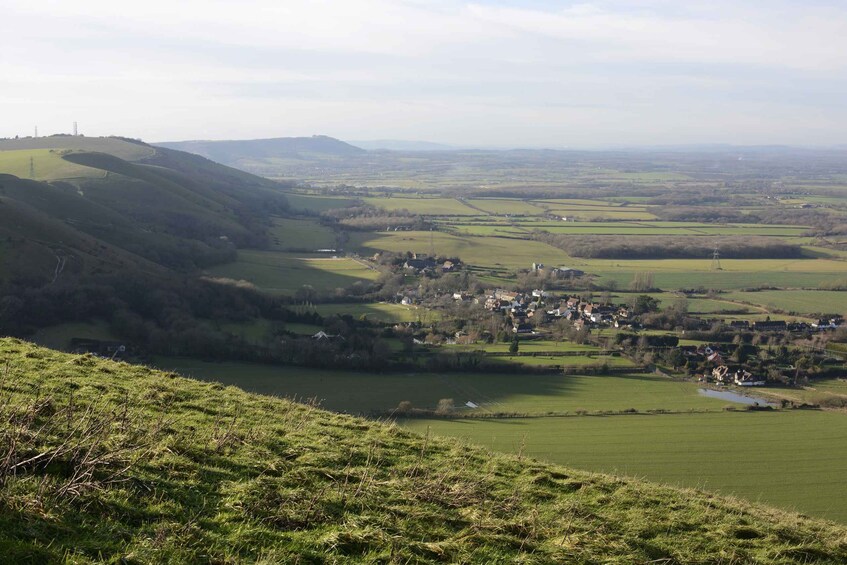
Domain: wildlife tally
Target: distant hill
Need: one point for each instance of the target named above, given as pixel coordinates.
(402, 145)
(108, 462)
(234, 152)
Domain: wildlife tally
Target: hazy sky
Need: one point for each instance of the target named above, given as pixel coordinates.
(511, 73)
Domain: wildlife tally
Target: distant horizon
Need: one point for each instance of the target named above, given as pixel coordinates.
(449, 146)
(493, 73)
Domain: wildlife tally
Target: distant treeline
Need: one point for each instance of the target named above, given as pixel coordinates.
(670, 247)
(368, 218)
(728, 214)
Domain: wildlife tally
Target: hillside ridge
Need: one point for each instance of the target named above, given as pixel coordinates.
(103, 461)
(231, 152)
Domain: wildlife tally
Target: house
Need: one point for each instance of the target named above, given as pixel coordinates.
(770, 326)
(567, 272)
(721, 374)
(828, 323)
(537, 266)
(745, 378)
(506, 295)
(448, 267)
(419, 265)
(322, 335)
(740, 324)
(716, 358)
(522, 329)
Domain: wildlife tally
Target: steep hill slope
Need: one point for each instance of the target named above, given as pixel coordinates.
(152, 207)
(104, 462)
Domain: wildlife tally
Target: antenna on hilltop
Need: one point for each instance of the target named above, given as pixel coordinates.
(716, 260)
(36, 131)
(75, 130)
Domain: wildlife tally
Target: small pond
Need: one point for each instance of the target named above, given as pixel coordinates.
(734, 397)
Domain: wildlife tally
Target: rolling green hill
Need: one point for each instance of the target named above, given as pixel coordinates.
(100, 205)
(107, 462)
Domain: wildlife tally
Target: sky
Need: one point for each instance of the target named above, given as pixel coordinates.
(516, 73)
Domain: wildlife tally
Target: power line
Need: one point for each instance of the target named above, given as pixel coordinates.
(716, 260)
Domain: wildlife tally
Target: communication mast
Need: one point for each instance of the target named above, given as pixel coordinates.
(75, 130)
(716, 260)
(36, 131)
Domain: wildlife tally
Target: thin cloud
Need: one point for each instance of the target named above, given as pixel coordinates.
(606, 72)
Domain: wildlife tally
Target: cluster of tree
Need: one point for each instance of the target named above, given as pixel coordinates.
(670, 247)
(549, 280)
(368, 218)
(728, 213)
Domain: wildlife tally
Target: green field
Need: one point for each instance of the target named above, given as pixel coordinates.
(116, 146)
(311, 203)
(506, 206)
(59, 336)
(735, 273)
(528, 346)
(424, 206)
(149, 467)
(791, 459)
(800, 301)
(284, 273)
(794, 459)
(293, 234)
(378, 311)
(47, 164)
(486, 252)
(494, 392)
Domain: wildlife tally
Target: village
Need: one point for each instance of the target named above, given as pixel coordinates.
(739, 352)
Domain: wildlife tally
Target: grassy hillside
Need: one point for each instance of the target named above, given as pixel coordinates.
(103, 462)
(140, 205)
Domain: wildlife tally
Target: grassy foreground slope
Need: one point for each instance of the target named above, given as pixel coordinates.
(101, 461)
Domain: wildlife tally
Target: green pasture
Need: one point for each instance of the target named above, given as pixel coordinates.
(506, 206)
(735, 273)
(47, 164)
(60, 335)
(490, 230)
(575, 203)
(644, 177)
(254, 331)
(361, 392)
(424, 206)
(800, 301)
(378, 311)
(571, 361)
(291, 233)
(817, 391)
(795, 459)
(586, 214)
(284, 273)
(487, 252)
(535, 345)
(120, 148)
(312, 203)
